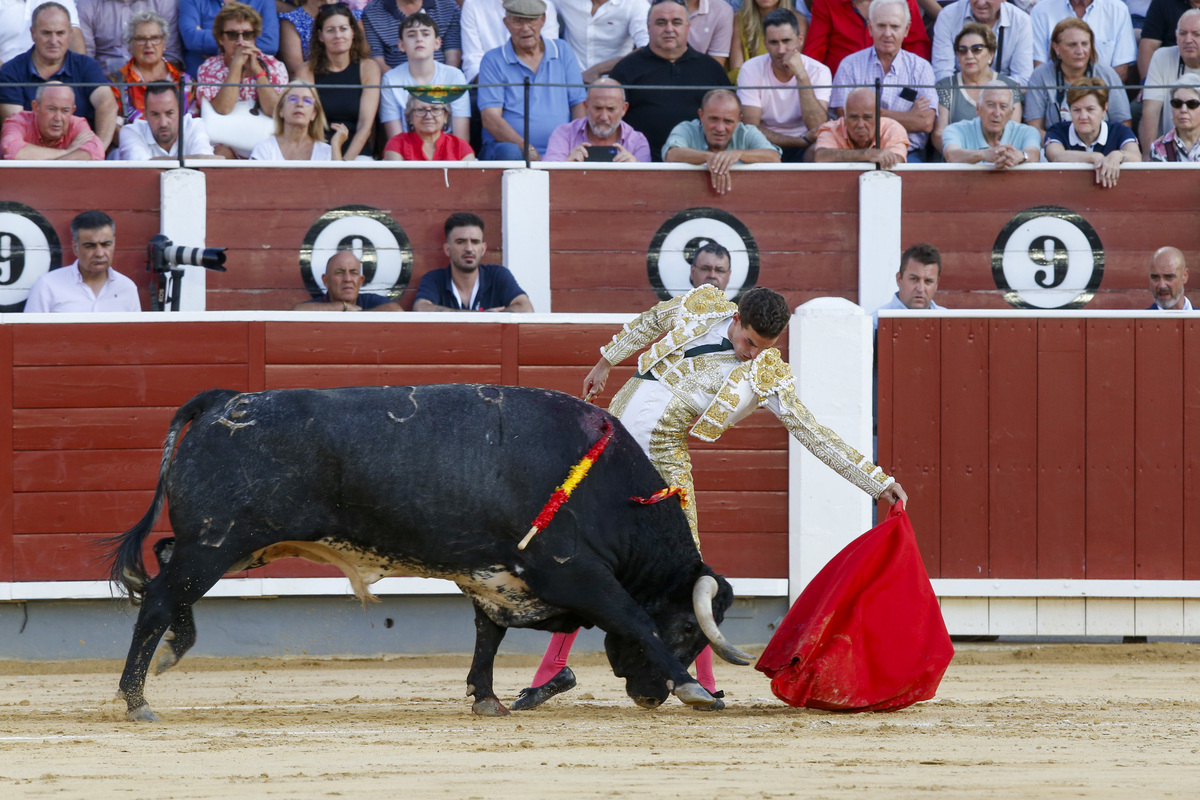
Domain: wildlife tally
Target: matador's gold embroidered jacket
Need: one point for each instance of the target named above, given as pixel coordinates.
(766, 381)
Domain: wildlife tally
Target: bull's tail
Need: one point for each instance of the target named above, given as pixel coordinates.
(127, 567)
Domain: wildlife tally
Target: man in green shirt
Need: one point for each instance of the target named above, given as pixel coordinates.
(719, 139)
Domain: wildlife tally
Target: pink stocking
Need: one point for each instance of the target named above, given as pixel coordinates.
(556, 657)
(704, 670)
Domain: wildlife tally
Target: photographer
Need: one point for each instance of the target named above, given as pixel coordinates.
(601, 135)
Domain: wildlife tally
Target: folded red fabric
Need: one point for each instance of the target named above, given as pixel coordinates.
(867, 633)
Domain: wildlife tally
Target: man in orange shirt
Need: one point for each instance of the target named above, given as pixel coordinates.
(51, 131)
(852, 138)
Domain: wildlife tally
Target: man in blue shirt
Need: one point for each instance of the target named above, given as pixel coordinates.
(526, 54)
(50, 60)
(467, 284)
(343, 280)
(992, 137)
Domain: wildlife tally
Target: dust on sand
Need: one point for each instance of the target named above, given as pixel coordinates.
(1010, 721)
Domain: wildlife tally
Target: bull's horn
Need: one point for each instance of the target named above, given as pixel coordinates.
(702, 596)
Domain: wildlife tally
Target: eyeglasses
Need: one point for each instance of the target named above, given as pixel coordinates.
(1191, 104)
(142, 41)
(522, 22)
(295, 98)
(679, 2)
(975, 49)
(432, 111)
(237, 36)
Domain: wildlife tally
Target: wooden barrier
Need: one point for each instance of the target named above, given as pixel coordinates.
(86, 406)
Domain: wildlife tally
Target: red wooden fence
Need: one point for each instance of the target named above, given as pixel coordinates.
(1046, 448)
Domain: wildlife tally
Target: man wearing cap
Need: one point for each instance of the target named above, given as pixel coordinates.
(557, 95)
(1168, 280)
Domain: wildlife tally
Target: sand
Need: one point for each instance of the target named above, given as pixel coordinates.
(1010, 721)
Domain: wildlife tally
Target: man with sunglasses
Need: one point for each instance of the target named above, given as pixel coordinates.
(200, 41)
(667, 61)
(1014, 37)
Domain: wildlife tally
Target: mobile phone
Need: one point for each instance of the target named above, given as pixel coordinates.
(601, 153)
(908, 93)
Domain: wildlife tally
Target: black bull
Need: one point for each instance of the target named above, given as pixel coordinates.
(439, 481)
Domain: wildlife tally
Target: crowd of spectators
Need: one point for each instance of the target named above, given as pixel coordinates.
(608, 80)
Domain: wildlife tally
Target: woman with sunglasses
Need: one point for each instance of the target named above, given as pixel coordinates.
(296, 29)
(1072, 57)
(347, 79)
(958, 94)
(1088, 138)
(1182, 142)
(300, 129)
(426, 138)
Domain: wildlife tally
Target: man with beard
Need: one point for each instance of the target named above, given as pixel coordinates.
(601, 135)
(719, 139)
(155, 136)
(467, 284)
(1168, 280)
(51, 131)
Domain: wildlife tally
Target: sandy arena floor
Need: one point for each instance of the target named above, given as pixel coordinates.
(1010, 721)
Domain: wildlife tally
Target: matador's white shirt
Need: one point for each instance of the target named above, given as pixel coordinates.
(724, 390)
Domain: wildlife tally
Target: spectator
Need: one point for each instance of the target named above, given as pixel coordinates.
(104, 23)
(253, 77)
(551, 67)
(917, 280)
(993, 137)
(852, 137)
(1167, 67)
(1182, 142)
(145, 37)
(1072, 56)
(468, 284)
(710, 28)
(601, 36)
(710, 265)
(1011, 30)
(155, 135)
(16, 19)
(841, 27)
(901, 72)
(50, 60)
(975, 46)
(601, 135)
(90, 284)
(1168, 280)
(1088, 138)
(667, 61)
(296, 30)
(790, 112)
(346, 78)
(381, 21)
(1109, 21)
(425, 139)
(343, 282)
(198, 29)
(1160, 29)
(483, 30)
(748, 32)
(719, 139)
(50, 132)
(419, 41)
(300, 129)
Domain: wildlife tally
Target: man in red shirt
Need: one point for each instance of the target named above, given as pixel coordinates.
(839, 28)
(51, 131)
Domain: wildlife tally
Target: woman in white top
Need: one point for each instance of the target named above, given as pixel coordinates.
(300, 129)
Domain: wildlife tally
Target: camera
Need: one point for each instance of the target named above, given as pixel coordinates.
(165, 261)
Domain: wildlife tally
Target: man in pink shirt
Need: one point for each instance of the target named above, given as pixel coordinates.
(710, 27)
(797, 103)
(51, 131)
(600, 135)
(852, 138)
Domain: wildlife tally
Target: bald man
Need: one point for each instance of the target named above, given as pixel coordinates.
(343, 279)
(1168, 278)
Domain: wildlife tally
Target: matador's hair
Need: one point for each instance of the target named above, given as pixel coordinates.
(765, 311)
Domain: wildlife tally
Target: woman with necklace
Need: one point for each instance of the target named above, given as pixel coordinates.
(346, 78)
(958, 94)
(1072, 57)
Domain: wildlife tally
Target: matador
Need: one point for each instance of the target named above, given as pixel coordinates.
(713, 364)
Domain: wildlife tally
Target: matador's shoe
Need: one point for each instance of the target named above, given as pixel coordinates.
(535, 696)
(719, 705)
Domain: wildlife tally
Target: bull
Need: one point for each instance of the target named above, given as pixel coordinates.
(437, 481)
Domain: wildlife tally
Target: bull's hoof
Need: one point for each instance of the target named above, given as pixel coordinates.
(534, 696)
(694, 694)
(164, 659)
(142, 714)
(718, 705)
(489, 707)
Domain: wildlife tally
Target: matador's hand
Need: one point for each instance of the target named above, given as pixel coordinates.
(894, 494)
(593, 384)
